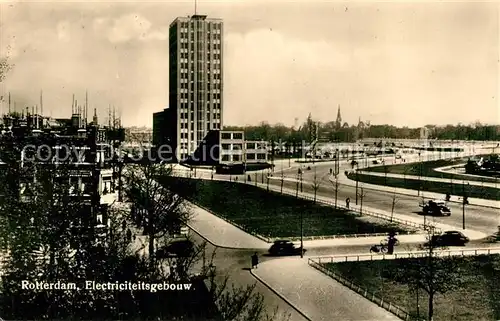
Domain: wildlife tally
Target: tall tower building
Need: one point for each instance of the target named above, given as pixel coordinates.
(196, 81)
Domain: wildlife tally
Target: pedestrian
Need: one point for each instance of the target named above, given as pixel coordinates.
(347, 201)
(129, 235)
(255, 260)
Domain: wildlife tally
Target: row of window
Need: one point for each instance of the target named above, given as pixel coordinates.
(214, 58)
(213, 45)
(216, 72)
(210, 25)
(185, 109)
(185, 116)
(184, 86)
(215, 94)
(231, 135)
(184, 101)
(232, 146)
(239, 158)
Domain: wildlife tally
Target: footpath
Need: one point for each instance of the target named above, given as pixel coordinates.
(316, 295)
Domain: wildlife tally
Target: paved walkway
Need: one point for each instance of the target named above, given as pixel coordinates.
(315, 294)
(221, 233)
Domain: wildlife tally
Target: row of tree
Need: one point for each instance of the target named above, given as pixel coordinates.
(330, 131)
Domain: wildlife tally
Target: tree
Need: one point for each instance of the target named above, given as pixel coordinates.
(433, 274)
(158, 209)
(394, 202)
(282, 180)
(335, 186)
(386, 170)
(362, 195)
(316, 184)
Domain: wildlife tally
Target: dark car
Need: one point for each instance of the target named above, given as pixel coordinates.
(181, 248)
(436, 208)
(449, 238)
(284, 247)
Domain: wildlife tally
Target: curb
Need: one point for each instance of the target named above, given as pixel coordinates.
(281, 296)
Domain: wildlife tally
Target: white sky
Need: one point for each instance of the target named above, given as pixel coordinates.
(401, 63)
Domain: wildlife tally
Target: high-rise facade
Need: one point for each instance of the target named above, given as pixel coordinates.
(196, 80)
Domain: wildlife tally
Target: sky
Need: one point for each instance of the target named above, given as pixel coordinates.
(401, 63)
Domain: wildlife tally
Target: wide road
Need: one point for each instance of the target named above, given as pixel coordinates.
(478, 218)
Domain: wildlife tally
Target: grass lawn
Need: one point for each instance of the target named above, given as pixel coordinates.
(427, 169)
(478, 298)
(271, 214)
(490, 193)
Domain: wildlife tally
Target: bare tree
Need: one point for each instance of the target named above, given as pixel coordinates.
(434, 274)
(335, 185)
(316, 184)
(362, 195)
(394, 202)
(386, 170)
(282, 180)
(158, 209)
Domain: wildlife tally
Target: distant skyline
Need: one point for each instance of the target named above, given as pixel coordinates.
(401, 63)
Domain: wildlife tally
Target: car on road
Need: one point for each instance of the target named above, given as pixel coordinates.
(179, 248)
(434, 207)
(284, 247)
(449, 238)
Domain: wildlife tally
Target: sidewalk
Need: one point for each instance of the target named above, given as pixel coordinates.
(315, 294)
(221, 233)
(429, 179)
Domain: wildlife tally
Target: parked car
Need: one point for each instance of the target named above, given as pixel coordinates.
(449, 238)
(436, 208)
(180, 248)
(284, 247)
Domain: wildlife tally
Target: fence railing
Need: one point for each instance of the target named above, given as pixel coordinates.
(392, 308)
(404, 255)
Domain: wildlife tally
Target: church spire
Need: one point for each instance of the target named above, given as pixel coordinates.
(338, 122)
